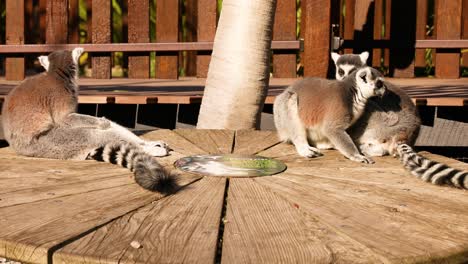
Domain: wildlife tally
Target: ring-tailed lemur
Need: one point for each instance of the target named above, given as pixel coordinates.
(39, 120)
(387, 119)
(318, 111)
(431, 171)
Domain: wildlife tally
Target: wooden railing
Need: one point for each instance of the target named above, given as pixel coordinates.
(395, 32)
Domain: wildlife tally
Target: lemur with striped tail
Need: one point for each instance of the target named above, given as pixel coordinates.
(318, 111)
(387, 119)
(40, 120)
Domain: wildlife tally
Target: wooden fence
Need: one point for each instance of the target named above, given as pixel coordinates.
(395, 32)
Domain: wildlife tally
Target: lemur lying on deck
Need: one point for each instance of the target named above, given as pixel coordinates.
(40, 120)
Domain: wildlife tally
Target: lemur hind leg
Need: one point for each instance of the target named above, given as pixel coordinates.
(343, 143)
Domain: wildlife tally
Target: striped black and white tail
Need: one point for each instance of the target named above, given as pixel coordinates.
(149, 174)
(431, 171)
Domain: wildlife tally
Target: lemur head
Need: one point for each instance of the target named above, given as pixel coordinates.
(369, 82)
(347, 63)
(61, 59)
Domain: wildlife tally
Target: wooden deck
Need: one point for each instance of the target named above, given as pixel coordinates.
(322, 210)
(424, 91)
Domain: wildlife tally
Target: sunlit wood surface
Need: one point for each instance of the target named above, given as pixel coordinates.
(321, 210)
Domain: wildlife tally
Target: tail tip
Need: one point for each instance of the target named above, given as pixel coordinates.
(157, 180)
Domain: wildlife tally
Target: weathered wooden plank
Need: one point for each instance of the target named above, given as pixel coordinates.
(167, 30)
(449, 15)
(14, 33)
(138, 32)
(175, 141)
(206, 29)
(316, 25)
(260, 227)
(254, 141)
(393, 223)
(101, 33)
(181, 228)
(284, 63)
(212, 141)
(421, 22)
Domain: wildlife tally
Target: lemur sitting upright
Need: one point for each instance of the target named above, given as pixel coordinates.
(387, 119)
(40, 120)
(319, 111)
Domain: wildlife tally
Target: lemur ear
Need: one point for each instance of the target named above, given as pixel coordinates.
(44, 61)
(364, 56)
(76, 53)
(335, 56)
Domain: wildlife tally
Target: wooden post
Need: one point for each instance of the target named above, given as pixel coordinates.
(138, 32)
(101, 33)
(167, 30)
(284, 63)
(14, 66)
(316, 26)
(57, 22)
(206, 29)
(421, 21)
(449, 13)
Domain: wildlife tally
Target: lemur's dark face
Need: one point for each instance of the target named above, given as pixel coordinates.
(348, 63)
(61, 59)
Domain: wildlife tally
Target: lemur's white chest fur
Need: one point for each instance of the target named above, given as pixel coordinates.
(318, 111)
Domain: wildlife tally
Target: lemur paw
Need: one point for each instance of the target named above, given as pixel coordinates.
(363, 159)
(156, 148)
(308, 151)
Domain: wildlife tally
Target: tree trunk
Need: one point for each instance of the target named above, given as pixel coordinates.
(239, 70)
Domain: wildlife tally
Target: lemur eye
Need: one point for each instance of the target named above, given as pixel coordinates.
(384, 141)
(341, 72)
(363, 75)
(352, 70)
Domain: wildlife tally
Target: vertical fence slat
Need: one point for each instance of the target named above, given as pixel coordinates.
(191, 18)
(206, 29)
(449, 14)
(73, 20)
(42, 20)
(421, 21)
(465, 30)
(284, 63)
(57, 21)
(316, 25)
(349, 22)
(101, 33)
(388, 17)
(14, 66)
(138, 32)
(403, 36)
(378, 21)
(167, 30)
(363, 26)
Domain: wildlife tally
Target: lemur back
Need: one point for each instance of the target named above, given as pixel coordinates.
(318, 112)
(39, 120)
(387, 119)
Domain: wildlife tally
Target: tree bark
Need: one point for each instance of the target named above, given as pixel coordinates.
(239, 70)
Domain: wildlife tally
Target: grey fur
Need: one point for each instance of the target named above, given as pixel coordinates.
(39, 120)
(318, 112)
(386, 121)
